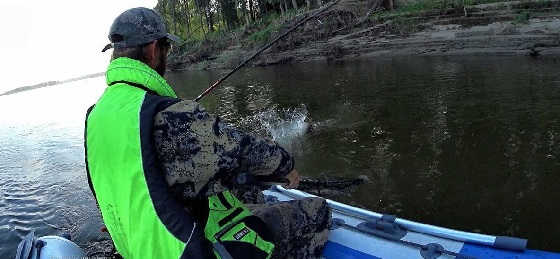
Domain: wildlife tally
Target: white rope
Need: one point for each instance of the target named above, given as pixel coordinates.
(188, 240)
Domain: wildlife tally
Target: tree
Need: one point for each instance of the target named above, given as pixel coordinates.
(196, 18)
(229, 13)
(186, 13)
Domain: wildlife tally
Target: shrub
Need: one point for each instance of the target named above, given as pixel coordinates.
(523, 17)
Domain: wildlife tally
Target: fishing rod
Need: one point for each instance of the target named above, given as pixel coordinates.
(219, 81)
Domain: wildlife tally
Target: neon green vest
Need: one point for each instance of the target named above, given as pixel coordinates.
(144, 220)
(234, 231)
(116, 164)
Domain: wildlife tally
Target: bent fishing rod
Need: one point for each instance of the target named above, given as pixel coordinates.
(265, 47)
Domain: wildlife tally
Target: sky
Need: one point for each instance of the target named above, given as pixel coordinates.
(56, 40)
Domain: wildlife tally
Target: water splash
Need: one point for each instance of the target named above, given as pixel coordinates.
(285, 126)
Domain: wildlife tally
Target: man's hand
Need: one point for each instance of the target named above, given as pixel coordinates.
(293, 178)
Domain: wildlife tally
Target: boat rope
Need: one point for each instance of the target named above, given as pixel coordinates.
(219, 81)
(436, 248)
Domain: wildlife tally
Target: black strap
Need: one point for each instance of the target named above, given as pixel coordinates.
(168, 209)
(229, 217)
(150, 91)
(223, 200)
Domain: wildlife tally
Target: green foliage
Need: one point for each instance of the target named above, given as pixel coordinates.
(522, 18)
(265, 34)
(270, 26)
(402, 25)
(402, 19)
(230, 59)
(216, 40)
(210, 26)
(417, 7)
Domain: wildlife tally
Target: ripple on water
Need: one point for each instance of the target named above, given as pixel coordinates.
(42, 182)
(417, 104)
(25, 206)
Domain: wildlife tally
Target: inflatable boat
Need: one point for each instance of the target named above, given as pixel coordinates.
(361, 234)
(355, 234)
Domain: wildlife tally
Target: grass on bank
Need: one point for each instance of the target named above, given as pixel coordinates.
(522, 18)
(421, 6)
(250, 35)
(405, 19)
(442, 6)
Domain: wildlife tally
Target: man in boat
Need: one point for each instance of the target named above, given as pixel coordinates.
(173, 181)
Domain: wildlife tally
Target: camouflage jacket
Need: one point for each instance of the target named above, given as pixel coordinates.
(201, 156)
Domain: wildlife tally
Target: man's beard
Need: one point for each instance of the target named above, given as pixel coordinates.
(160, 68)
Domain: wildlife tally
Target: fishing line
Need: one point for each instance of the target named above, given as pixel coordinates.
(219, 81)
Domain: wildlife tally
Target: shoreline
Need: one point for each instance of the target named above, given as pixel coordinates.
(500, 29)
(50, 83)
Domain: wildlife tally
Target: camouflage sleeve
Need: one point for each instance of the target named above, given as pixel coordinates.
(199, 154)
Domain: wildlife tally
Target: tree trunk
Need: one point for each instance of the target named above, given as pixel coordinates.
(388, 4)
(174, 7)
(209, 19)
(244, 11)
(251, 13)
(308, 3)
(187, 17)
(262, 11)
(229, 13)
(294, 3)
(319, 3)
(282, 11)
(202, 24)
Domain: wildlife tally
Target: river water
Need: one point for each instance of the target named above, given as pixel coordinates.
(471, 143)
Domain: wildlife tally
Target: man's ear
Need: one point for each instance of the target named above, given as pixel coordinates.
(150, 54)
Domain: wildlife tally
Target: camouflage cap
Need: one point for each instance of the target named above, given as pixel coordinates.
(137, 26)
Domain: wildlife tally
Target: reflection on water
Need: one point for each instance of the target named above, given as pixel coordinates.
(469, 143)
(42, 180)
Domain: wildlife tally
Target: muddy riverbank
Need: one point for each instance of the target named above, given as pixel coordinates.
(505, 28)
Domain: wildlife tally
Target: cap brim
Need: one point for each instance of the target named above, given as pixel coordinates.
(174, 38)
(108, 46)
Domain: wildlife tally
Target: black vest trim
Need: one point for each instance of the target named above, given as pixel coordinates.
(85, 153)
(168, 208)
(223, 200)
(229, 217)
(150, 91)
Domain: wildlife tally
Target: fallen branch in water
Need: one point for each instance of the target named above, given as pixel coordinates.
(324, 183)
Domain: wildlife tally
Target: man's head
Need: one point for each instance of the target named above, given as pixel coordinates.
(140, 33)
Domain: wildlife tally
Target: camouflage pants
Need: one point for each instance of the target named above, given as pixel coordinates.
(299, 227)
